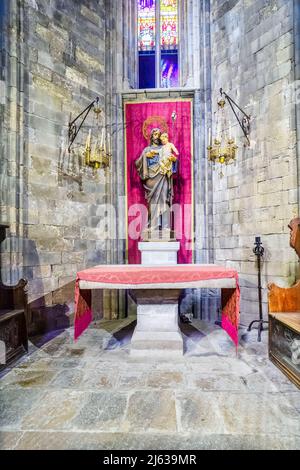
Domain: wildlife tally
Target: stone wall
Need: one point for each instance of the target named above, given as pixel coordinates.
(253, 60)
(55, 61)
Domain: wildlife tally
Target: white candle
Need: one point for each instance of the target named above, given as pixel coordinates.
(209, 136)
(102, 138)
(108, 144)
(229, 131)
(88, 141)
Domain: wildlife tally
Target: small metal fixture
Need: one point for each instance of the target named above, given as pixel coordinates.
(74, 128)
(244, 123)
(222, 148)
(258, 250)
(97, 151)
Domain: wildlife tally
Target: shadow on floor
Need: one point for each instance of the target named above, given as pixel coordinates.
(191, 335)
(121, 337)
(40, 340)
(47, 322)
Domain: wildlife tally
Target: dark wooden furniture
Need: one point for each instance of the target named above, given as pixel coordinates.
(284, 320)
(284, 330)
(13, 318)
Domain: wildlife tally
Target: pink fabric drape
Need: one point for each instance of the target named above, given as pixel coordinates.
(180, 134)
(137, 275)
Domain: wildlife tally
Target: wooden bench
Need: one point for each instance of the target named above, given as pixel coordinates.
(13, 318)
(284, 320)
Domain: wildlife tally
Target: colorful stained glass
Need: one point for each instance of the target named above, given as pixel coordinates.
(146, 25)
(168, 43)
(169, 69)
(169, 24)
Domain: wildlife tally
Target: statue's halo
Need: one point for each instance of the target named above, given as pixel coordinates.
(152, 122)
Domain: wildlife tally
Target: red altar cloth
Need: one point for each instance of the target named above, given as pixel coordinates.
(136, 275)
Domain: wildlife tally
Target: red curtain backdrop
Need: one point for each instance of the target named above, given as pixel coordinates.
(159, 114)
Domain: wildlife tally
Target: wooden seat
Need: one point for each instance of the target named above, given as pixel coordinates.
(284, 343)
(13, 318)
(284, 320)
(291, 319)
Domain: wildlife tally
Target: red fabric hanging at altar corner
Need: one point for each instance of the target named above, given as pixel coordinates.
(180, 134)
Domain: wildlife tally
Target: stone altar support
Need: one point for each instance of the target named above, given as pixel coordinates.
(154, 278)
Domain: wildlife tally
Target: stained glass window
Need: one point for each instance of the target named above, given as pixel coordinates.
(166, 45)
(146, 25)
(168, 24)
(169, 69)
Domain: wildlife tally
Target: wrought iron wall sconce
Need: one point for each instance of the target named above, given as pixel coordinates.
(222, 148)
(96, 155)
(244, 123)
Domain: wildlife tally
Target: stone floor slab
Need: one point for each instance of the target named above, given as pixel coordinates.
(165, 379)
(28, 378)
(199, 412)
(9, 439)
(258, 413)
(151, 411)
(15, 404)
(102, 411)
(55, 411)
(148, 441)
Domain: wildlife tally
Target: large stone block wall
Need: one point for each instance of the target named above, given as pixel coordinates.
(55, 63)
(253, 60)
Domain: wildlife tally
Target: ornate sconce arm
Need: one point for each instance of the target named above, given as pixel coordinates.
(245, 122)
(73, 128)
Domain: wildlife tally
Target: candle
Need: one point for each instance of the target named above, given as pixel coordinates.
(102, 138)
(229, 131)
(257, 239)
(88, 140)
(108, 144)
(209, 136)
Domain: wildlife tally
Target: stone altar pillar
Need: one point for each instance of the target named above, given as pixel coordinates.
(157, 333)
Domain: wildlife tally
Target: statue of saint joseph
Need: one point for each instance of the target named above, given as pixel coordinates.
(155, 166)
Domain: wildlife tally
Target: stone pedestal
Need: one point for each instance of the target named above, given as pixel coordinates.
(159, 252)
(157, 333)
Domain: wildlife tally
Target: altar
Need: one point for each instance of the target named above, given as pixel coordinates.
(156, 291)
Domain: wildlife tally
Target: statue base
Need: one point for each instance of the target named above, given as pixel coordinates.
(152, 235)
(157, 252)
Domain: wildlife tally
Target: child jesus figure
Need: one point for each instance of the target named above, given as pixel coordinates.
(169, 152)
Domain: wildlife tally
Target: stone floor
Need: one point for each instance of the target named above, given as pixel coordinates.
(92, 395)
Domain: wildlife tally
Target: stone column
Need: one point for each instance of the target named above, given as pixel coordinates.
(121, 74)
(190, 42)
(205, 301)
(296, 14)
(13, 161)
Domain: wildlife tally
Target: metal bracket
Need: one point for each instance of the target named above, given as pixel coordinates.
(73, 128)
(244, 123)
